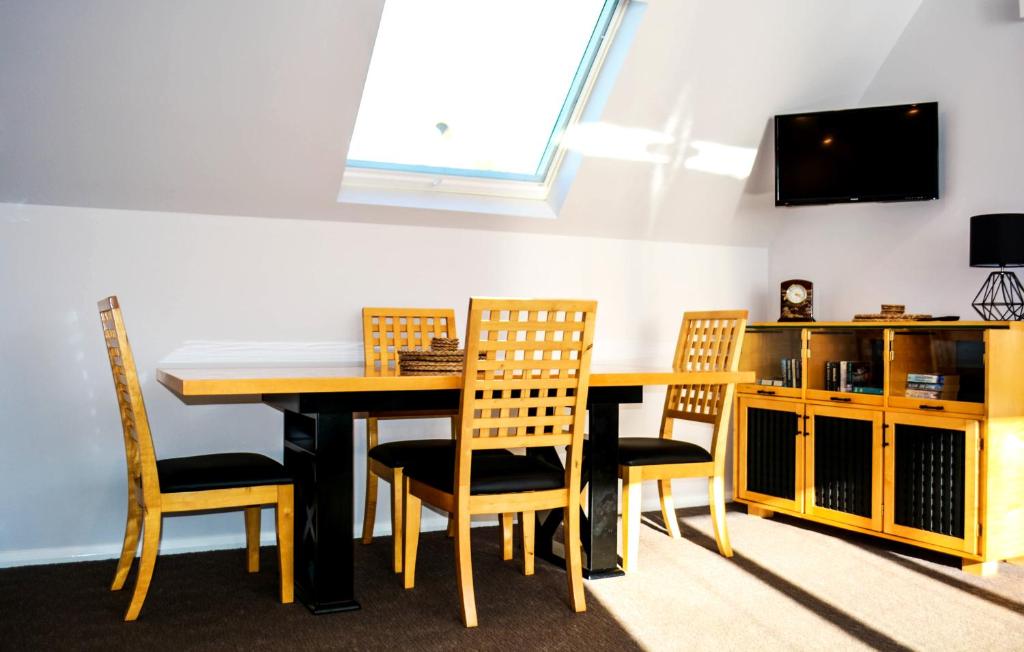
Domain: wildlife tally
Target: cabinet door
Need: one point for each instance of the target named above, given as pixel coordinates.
(770, 452)
(843, 458)
(931, 480)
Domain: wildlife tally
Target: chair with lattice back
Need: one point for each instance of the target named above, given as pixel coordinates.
(186, 484)
(708, 341)
(386, 331)
(525, 385)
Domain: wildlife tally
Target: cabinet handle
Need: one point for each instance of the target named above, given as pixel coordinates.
(766, 392)
(937, 408)
(840, 399)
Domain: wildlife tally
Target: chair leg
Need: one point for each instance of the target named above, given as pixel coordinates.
(396, 520)
(574, 556)
(370, 505)
(507, 521)
(413, 507)
(716, 496)
(132, 528)
(454, 423)
(150, 546)
(285, 521)
(464, 567)
(252, 539)
(631, 495)
(668, 509)
(527, 522)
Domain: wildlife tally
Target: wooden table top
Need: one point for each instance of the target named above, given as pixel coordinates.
(246, 381)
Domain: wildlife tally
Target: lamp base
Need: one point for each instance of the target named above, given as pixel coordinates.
(1001, 298)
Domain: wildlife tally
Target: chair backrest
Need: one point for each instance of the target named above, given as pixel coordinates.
(526, 378)
(143, 482)
(386, 331)
(708, 341)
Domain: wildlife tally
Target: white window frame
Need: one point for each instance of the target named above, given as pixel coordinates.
(366, 185)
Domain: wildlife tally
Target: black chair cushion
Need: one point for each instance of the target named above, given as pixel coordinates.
(400, 454)
(491, 474)
(645, 451)
(219, 471)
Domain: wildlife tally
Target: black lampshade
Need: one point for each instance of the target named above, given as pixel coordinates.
(997, 240)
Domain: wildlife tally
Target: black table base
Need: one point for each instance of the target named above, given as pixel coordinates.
(318, 451)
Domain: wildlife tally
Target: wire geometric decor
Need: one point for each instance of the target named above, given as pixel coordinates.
(1001, 298)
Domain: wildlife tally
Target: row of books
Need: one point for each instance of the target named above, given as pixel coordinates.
(792, 374)
(933, 386)
(850, 376)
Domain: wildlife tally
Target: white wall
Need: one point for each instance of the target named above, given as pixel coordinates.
(194, 287)
(967, 56)
(246, 107)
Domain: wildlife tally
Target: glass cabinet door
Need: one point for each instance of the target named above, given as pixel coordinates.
(776, 356)
(939, 370)
(846, 365)
(770, 452)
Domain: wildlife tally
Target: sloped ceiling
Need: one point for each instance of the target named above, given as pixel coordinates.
(245, 107)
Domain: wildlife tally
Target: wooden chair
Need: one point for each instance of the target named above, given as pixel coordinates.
(386, 331)
(525, 386)
(708, 341)
(186, 484)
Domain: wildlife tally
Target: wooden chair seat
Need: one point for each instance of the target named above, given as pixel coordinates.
(219, 471)
(645, 451)
(491, 474)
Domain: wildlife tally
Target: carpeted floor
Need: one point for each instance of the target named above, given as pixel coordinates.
(791, 585)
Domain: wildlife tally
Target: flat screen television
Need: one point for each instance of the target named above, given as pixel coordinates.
(884, 153)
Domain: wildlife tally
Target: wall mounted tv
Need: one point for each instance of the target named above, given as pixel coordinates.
(884, 153)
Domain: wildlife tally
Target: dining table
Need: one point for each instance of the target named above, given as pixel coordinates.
(320, 406)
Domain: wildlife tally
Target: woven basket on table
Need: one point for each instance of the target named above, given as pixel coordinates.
(444, 358)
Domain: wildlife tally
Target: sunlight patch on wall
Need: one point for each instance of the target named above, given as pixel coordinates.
(605, 140)
(716, 158)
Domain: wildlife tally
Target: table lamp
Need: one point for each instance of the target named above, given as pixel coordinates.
(997, 240)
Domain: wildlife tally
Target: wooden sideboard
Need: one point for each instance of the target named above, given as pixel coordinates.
(872, 446)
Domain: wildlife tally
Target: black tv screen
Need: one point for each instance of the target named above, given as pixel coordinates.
(885, 153)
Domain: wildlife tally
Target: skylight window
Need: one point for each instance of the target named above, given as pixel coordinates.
(468, 88)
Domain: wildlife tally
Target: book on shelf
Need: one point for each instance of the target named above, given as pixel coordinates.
(792, 372)
(937, 379)
(849, 376)
(868, 390)
(934, 387)
(945, 394)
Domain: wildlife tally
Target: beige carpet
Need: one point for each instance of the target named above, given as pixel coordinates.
(793, 585)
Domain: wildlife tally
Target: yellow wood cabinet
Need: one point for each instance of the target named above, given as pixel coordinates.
(911, 431)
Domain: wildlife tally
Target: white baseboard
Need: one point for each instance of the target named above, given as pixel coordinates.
(432, 522)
